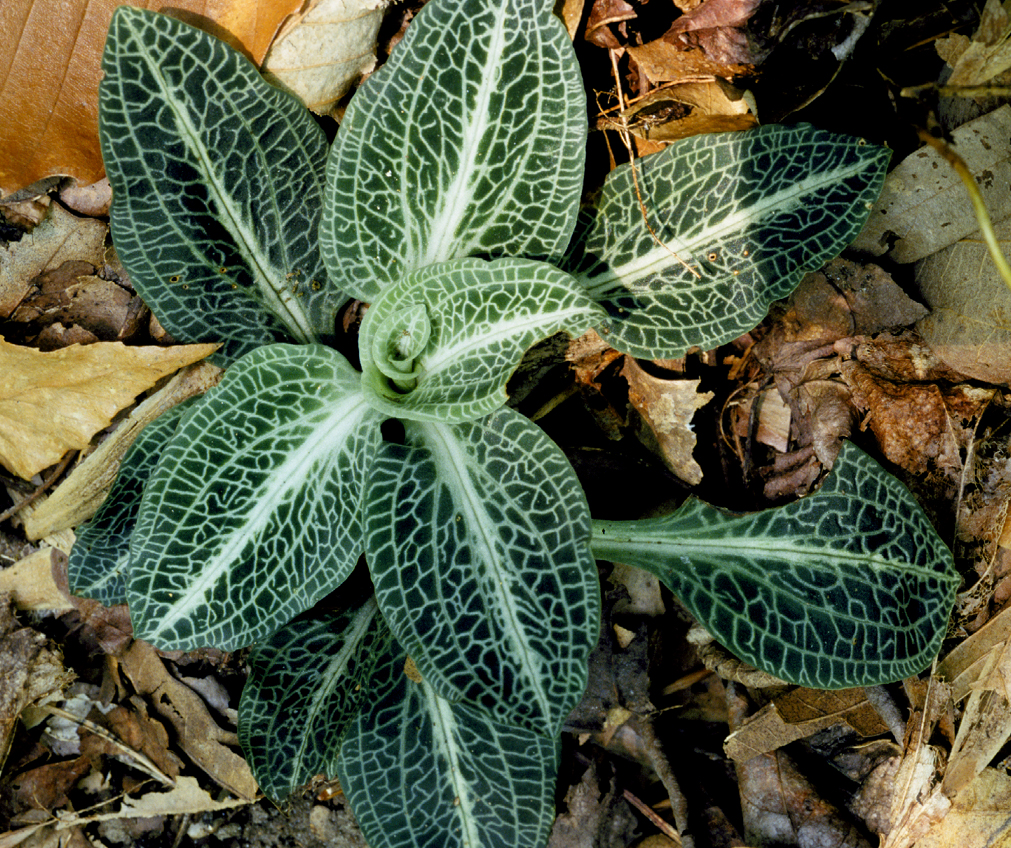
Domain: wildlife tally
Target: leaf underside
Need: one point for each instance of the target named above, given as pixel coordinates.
(737, 219)
(98, 561)
(478, 318)
(306, 683)
(217, 182)
(469, 141)
(850, 586)
(253, 512)
(421, 771)
(476, 537)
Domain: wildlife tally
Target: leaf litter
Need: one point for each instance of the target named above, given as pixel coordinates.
(902, 359)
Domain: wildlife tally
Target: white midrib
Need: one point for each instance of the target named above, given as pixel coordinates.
(444, 731)
(280, 301)
(328, 436)
(465, 345)
(447, 455)
(446, 221)
(626, 275)
(336, 669)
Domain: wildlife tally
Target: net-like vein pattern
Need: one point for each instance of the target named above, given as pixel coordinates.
(253, 512)
(306, 683)
(217, 182)
(469, 141)
(479, 319)
(98, 561)
(421, 771)
(848, 587)
(476, 538)
(739, 217)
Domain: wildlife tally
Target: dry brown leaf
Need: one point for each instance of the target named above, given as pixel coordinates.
(978, 60)
(962, 667)
(320, 52)
(54, 402)
(685, 109)
(199, 735)
(979, 818)
(50, 57)
(84, 490)
(969, 326)
(38, 581)
(924, 206)
(798, 714)
(666, 408)
(60, 237)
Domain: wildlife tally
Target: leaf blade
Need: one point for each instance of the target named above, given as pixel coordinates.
(750, 213)
(217, 184)
(850, 586)
(419, 770)
(434, 158)
(476, 541)
(253, 512)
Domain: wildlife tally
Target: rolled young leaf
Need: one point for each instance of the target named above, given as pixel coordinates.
(441, 344)
(690, 246)
(253, 513)
(476, 538)
(217, 181)
(468, 141)
(98, 560)
(306, 684)
(422, 771)
(850, 586)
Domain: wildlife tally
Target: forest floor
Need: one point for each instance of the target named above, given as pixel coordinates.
(674, 744)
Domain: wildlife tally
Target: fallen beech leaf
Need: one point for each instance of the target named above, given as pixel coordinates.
(49, 107)
(978, 60)
(924, 206)
(54, 402)
(83, 491)
(319, 53)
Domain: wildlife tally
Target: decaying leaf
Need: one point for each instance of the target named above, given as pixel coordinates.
(320, 52)
(978, 60)
(54, 402)
(48, 109)
(38, 581)
(60, 237)
(199, 735)
(924, 206)
(969, 326)
(666, 408)
(80, 495)
(798, 714)
(962, 667)
(31, 672)
(980, 816)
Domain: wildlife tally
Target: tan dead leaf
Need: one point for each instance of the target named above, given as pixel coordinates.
(978, 60)
(61, 237)
(50, 71)
(798, 714)
(969, 326)
(38, 581)
(83, 491)
(924, 206)
(980, 816)
(320, 52)
(199, 735)
(666, 408)
(963, 666)
(54, 402)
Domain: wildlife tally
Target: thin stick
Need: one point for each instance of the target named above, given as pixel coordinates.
(623, 131)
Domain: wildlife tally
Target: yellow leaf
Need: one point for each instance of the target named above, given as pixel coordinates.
(56, 401)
